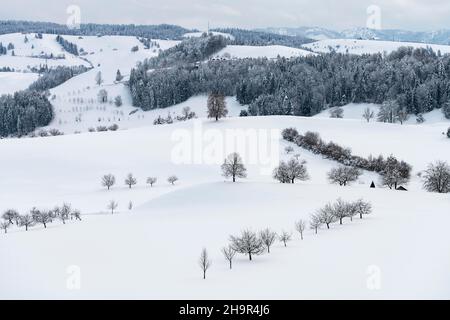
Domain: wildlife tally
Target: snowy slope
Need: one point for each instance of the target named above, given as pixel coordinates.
(152, 251)
(367, 46)
(11, 82)
(28, 54)
(271, 52)
(355, 111)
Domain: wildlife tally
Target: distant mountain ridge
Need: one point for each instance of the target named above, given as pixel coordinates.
(317, 33)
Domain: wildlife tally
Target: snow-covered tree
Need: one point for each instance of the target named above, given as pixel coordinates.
(43, 217)
(99, 78)
(4, 226)
(285, 237)
(288, 172)
(108, 180)
(368, 114)
(172, 179)
(337, 113)
(268, 237)
(26, 221)
(217, 107)
(130, 180)
(340, 210)
(234, 167)
(388, 111)
(112, 205)
(247, 243)
(119, 76)
(204, 262)
(151, 181)
(300, 226)
(315, 222)
(362, 207)
(343, 175)
(437, 177)
(395, 172)
(10, 215)
(102, 96)
(326, 215)
(229, 253)
(118, 101)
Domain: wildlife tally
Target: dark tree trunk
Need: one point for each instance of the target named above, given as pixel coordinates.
(340, 220)
(360, 215)
(231, 265)
(328, 226)
(26, 227)
(45, 226)
(250, 256)
(204, 275)
(234, 178)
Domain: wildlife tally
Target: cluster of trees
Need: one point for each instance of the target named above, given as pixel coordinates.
(109, 180)
(52, 78)
(186, 114)
(163, 31)
(23, 112)
(35, 216)
(288, 172)
(67, 45)
(257, 243)
(260, 38)
(417, 80)
(394, 172)
(148, 43)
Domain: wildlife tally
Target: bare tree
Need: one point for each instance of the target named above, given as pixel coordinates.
(26, 221)
(204, 262)
(368, 114)
(217, 107)
(43, 217)
(315, 222)
(326, 215)
(437, 177)
(5, 226)
(289, 149)
(337, 112)
(340, 210)
(300, 226)
(362, 207)
(112, 205)
(291, 171)
(343, 175)
(76, 214)
(229, 253)
(402, 115)
(234, 167)
(130, 205)
(285, 237)
(151, 181)
(248, 243)
(108, 180)
(172, 179)
(268, 237)
(10, 215)
(64, 212)
(130, 180)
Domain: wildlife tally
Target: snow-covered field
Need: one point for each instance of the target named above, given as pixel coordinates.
(11, 82)
(367, 46)
(152, 250)
(402, 250)
(270, 52)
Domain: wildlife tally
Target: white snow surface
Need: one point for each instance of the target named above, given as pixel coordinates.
(354, 46)
(270, 52)
(152, 250)
(11, 82)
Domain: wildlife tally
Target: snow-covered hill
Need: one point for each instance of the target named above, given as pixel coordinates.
(367, 46)
(270, 52)
(11, 82)
(152, 250)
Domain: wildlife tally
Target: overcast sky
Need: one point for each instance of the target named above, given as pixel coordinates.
(335, 14)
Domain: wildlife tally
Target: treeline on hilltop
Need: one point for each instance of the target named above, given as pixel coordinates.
(52, 78)
(163, 31)
(418, 80)
(259, 38)
(23, 112)
(188, 51)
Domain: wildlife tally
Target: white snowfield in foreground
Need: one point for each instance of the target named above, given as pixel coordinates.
(368, 46)
(400, 251)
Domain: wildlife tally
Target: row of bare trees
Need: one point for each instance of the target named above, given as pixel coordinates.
(109, 180)
(253, 244)
(35, 216)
